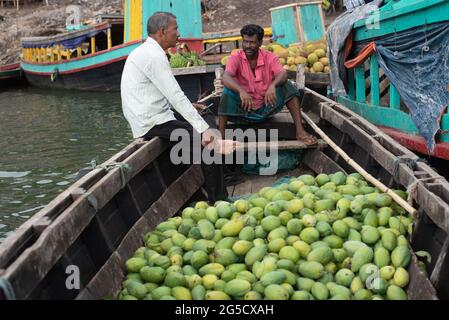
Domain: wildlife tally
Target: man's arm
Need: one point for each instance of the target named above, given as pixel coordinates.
(280, 79)
(162, 77)
(230, 83)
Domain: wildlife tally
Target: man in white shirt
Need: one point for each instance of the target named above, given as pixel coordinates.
(154, 104)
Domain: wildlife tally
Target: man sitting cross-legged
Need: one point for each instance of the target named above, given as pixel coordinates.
(256, 87)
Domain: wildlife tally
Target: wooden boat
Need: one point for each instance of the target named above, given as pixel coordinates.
(370, 92)
(92, 58)
(10, 75)
(99, 221)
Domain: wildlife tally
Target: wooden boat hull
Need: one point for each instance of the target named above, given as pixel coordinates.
(103, 71)
(98, 222)
(10, 75)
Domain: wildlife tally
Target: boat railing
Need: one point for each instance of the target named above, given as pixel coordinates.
(371, 94)
(52, 49)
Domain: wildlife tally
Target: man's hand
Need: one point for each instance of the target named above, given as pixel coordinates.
(198, 106)
(208, 137)
(247, 101)
(270, 96)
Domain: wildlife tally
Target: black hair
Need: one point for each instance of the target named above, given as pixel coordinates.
(251, 30)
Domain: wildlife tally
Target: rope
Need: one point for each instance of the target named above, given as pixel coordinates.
(411, 191)
(410, 162)
(7, 289)
(108, 167)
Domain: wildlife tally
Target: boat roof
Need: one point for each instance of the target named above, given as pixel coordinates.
(32, 42)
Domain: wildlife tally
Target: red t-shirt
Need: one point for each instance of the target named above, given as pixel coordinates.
(268, 67)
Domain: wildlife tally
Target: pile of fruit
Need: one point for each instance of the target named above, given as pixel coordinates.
(313, 238)
(185, 60)
(313, 55)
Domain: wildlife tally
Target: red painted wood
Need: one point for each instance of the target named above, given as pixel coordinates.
(417, 143)
(9, 67)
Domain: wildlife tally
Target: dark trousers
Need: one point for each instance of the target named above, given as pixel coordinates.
(213, 174)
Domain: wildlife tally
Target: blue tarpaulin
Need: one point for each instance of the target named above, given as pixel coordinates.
(417, 63)
(71, 43)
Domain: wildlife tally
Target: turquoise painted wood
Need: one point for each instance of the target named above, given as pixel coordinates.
(382, 116)
(444, 127)
(401, 15)
(360, 92)
(389, 117)
(311, 22)
(127, 19)
(351, 84)
(283, 24)
(107, 56)
(188, 13)
(374, 81)
(395, 98)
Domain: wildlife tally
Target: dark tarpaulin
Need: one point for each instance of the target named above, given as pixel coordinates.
(337, 33)
(417, 63)
(71, 43)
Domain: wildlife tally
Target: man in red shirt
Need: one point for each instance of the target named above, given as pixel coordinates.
(257, 86)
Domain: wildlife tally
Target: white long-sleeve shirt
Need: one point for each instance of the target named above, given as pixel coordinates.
(149, 90)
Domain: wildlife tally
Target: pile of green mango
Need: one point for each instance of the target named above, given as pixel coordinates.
(313, 238)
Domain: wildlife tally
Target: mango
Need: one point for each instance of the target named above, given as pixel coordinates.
(400, 257)
(381, 257)
(320, 291)
(311, 269)
(389, 240)
(384, 214)
(217, 295)
(334, 241)
(198, 293)
(344, 277)
(212, 268)
(135, 264)
(280, 232)
(276, 292)
(370, 235)
(300, 295)
(396, 293)
(246, 275)
(225, 243)
(255, 254)
(252, 295)
(401, 277)
(341, 229)
(160, 292)
(387, 272)
(181, 293)
(237, 287)
(309, 235)
(290, 253)
(232, 228)
(270, 223)
(361, 257)
(207, 229)
(323, 255)
(225, 257)
(152, 274)
(174, 279)
(302, 247)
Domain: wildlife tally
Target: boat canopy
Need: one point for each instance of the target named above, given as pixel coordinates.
(70, 40)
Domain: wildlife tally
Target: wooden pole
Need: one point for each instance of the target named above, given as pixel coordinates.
(404, 204)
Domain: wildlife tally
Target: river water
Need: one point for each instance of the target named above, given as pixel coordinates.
(45, 138)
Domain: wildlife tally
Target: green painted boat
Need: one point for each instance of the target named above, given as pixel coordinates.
(370, 93)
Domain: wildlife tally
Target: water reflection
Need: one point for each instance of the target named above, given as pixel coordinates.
(46, 137)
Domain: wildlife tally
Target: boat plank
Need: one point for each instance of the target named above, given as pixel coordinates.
(419, 288)
(321, 163)
(33, 265)
(436, 277)
(168, 205)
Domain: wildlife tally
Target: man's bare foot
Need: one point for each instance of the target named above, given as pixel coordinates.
(308, 139)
